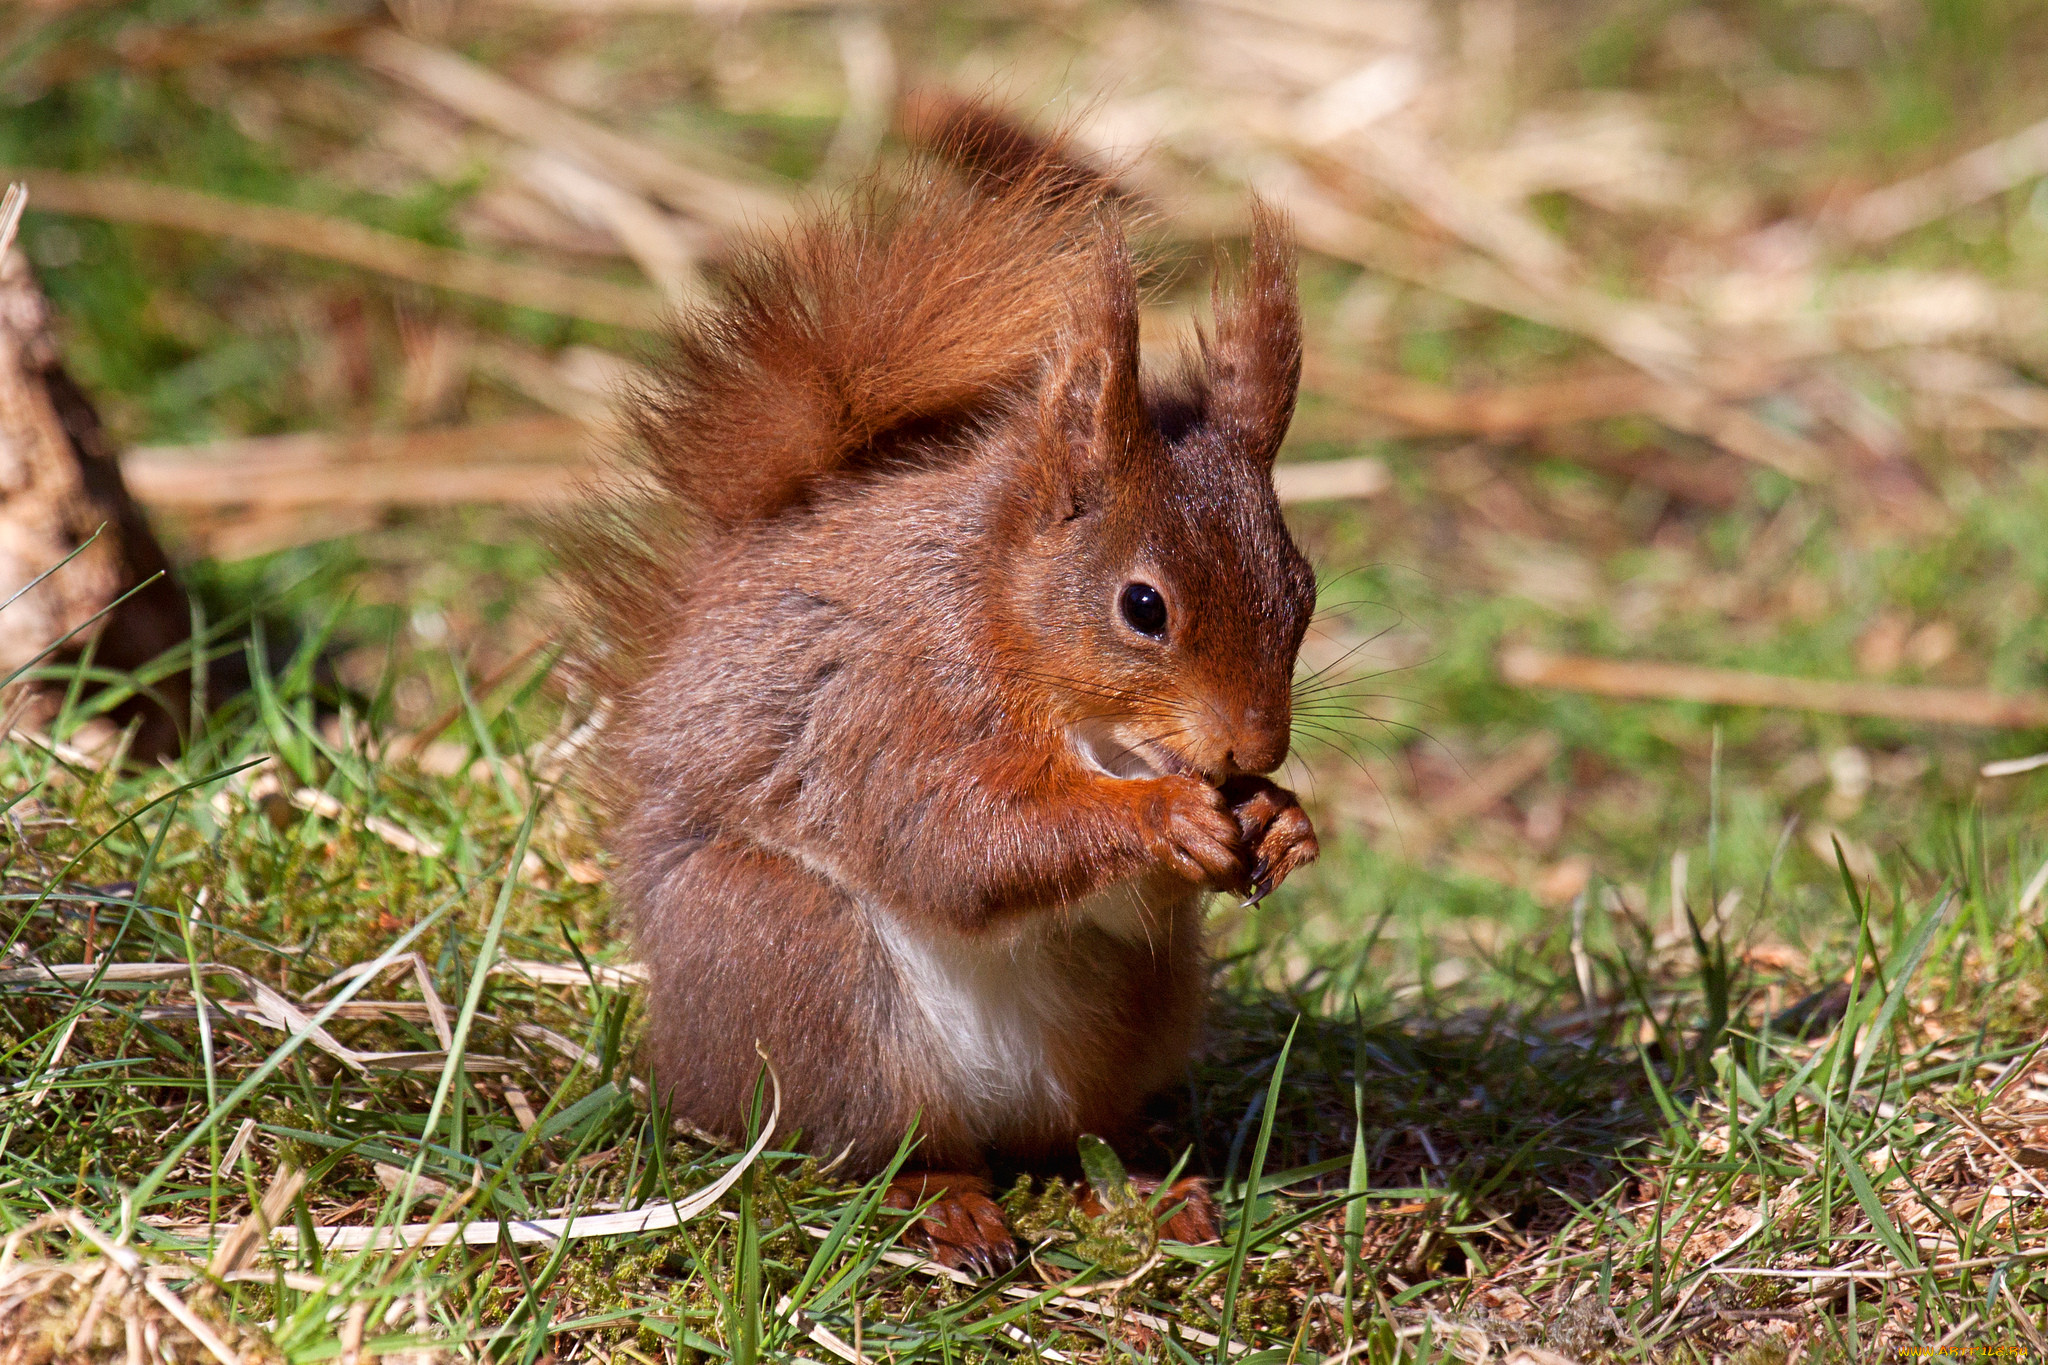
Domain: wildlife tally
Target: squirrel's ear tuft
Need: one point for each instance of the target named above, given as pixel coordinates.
(1090, 410)
(1251, 371)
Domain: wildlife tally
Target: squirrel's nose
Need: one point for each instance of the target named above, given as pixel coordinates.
(1254, 759)
(1260, 744)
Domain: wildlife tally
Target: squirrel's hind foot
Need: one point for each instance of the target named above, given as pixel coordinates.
(1186, 1210)
(962, 1227)
(1190, 1212)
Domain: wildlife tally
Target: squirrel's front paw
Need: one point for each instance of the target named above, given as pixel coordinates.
(1190, 828)
(1274, 827)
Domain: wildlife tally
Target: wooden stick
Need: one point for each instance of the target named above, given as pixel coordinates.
(1970, 179)
(1655, 340)
(338, 239)
(417, 744)
(1332, 480)
(1516, 413)
(11, 209)
(717, 8)
(516, 460)
(1526, 667)
(432, 486)
(1691, 409)
(162, 47)
(526, 460)
(1506, 232)
(1494, 413)
(1496, 780)
(230, 536)
(2009, 407)
(650, 236)
(1718, 480)
(1637, 333)
(484, 96)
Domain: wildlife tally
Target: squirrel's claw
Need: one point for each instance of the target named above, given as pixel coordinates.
(1275, 828)
(1262, 884)
(961, 1227)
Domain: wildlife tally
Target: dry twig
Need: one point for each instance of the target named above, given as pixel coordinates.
(530, 460)
(159, 47)
(337, 239)
(653, 239)
(647, 1218)
(87, 1307)
(1496, 780)
(488, 98)
(1975, 176)
(1525, 667)
(1638, 333)
(268, 1007)
(1361, 476)
(1494, 413)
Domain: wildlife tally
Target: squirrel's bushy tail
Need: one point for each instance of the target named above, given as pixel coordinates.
(904, 308)
(922, 302)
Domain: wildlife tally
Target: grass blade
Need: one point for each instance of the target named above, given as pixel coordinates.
(1242, 1245)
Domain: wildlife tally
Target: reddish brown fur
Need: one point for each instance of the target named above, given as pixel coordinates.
(854, 817)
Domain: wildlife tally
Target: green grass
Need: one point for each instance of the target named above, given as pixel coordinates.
(1527, 1167)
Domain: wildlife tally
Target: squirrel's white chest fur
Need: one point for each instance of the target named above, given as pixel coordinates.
(984, 1011)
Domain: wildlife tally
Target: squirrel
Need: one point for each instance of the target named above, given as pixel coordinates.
(945, 654)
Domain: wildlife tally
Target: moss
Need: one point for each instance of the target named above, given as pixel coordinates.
(607, 1279)
(292, 1151)
(102, 1038)
(1764, 1351)
(1119, 1240)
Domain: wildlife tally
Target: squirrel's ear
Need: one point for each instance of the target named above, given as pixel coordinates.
(1253, 368)
(1090, 408)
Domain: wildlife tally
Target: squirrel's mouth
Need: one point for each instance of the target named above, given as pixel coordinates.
(1108, 748)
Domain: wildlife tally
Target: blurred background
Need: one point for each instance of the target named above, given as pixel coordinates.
(1673, 452)
(1701, 334)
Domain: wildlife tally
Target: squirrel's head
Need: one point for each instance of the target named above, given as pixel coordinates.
(1163, 597)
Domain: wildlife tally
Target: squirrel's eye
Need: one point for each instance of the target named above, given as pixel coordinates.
(1144, 609)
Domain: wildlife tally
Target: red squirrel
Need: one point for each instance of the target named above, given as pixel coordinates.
(946, 653)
